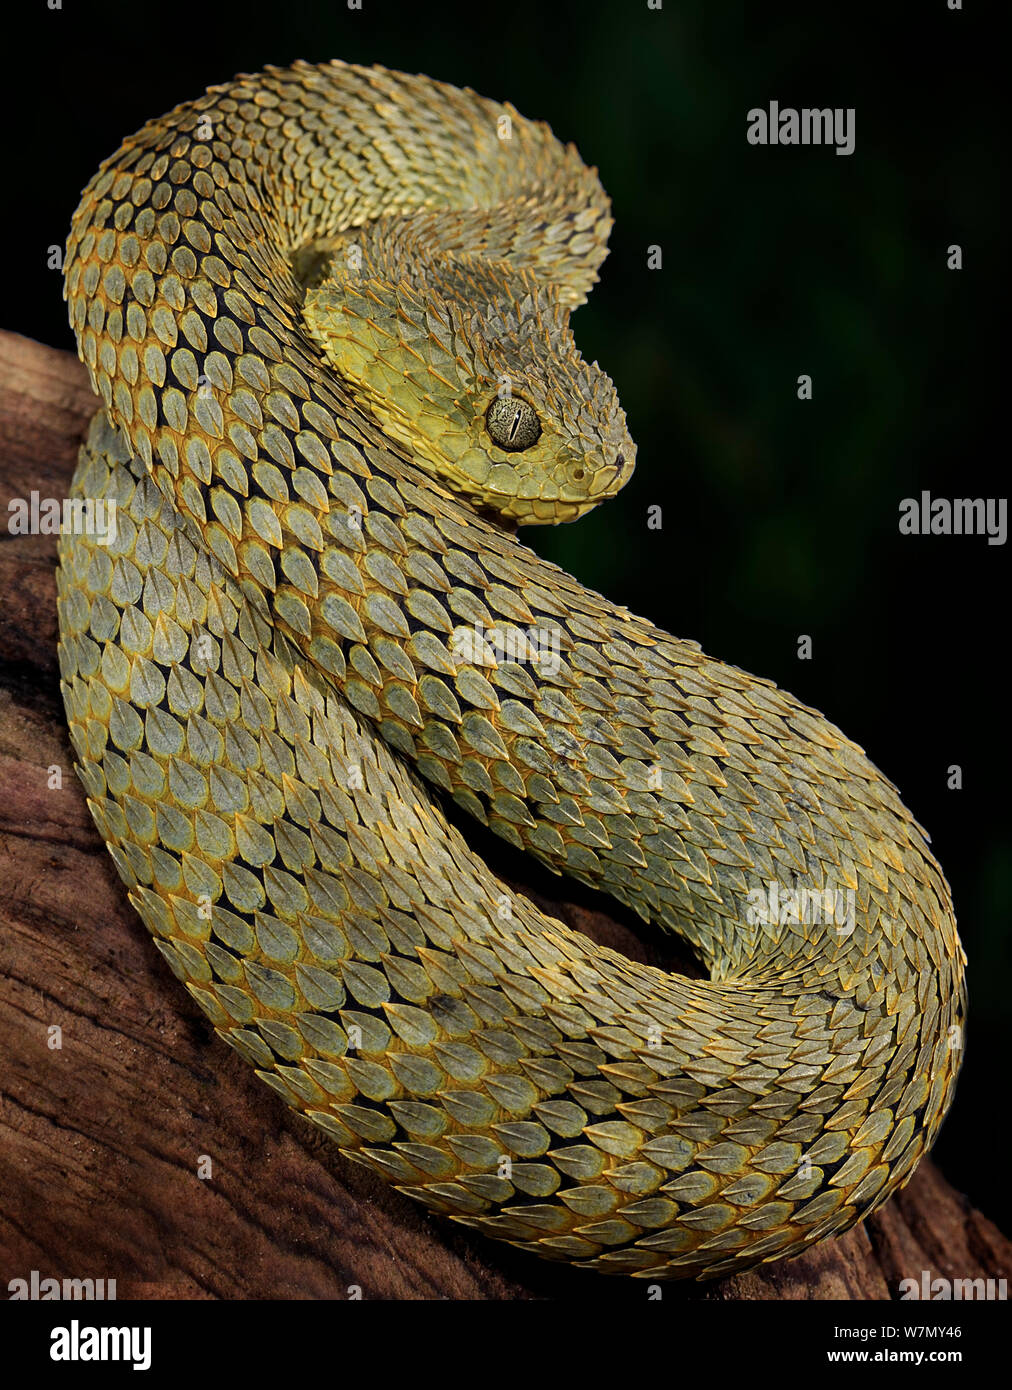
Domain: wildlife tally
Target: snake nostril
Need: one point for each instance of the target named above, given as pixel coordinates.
(619, 460)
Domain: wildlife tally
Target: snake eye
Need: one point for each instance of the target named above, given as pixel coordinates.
(512, 423)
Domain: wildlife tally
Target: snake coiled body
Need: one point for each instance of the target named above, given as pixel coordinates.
(327, 311)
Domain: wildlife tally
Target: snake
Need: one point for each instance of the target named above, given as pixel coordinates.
(327, 312)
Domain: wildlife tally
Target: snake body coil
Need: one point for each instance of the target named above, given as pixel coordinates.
(327, 311)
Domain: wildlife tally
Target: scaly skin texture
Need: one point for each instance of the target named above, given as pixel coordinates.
(266, 666)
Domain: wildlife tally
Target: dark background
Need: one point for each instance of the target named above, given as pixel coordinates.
(779, 516)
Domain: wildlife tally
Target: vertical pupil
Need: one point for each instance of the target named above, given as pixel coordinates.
(513, 424)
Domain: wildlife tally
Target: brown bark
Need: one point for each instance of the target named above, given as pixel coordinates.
(101, 1138)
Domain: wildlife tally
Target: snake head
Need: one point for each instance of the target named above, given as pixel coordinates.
(472, 366)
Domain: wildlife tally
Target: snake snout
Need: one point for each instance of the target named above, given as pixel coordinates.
(612, 477)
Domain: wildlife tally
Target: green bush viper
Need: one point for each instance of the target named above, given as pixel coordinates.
(327, 311)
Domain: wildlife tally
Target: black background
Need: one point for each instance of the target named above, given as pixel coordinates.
(779, 516)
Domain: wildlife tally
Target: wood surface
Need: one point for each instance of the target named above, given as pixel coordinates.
(102, 1139)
